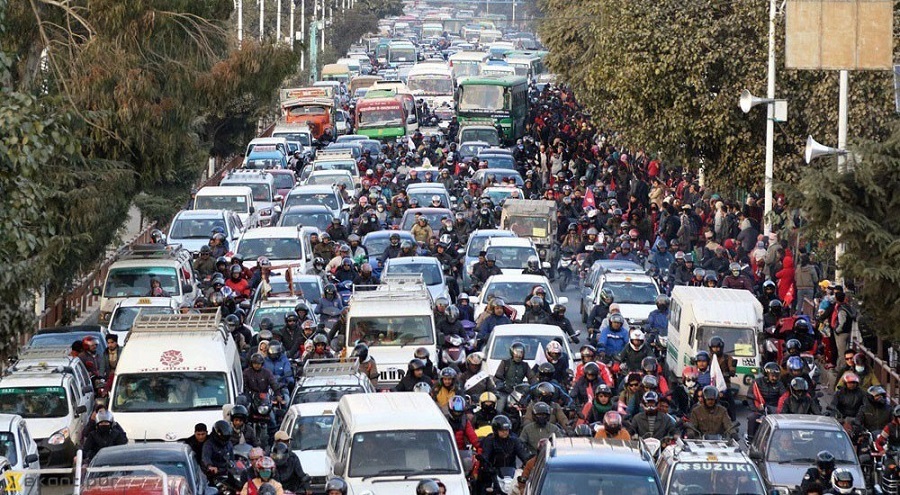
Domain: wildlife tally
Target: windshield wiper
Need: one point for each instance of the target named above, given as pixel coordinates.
(802, 460)
(389, 472)
(432, 471)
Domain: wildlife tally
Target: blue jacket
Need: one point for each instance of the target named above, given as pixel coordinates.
(324, 302)
(614, 342)
(281, 369)
(487, 326)
(660, 261)
(658, 320)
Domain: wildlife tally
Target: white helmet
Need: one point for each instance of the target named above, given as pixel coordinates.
(636, 334)
(554, 346)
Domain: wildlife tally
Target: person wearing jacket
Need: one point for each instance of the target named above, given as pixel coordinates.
(875, 412)
(288, 470)
(511, 372)
(601, 403)
(766, 392)
(612, 338)
(736, 279)
(797, 399)
(473, 380)
(848, 400)
(463, 431)
(710, 418)
(583, 389)
(650, 422)
(280, 367)
(558, 318)
(660, 258)
(106, 434)
(496, 316)
(415, 374)
(500, 449)
(658, 319)
(636, 350)
(540, 429)
(534, 311)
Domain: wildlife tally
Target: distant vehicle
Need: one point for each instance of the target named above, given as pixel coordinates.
(307, 215)
(428, 267)
(193, 228)
(514, 289)
(309, 426)
(533, 336)
(328, 381)
(434, 216)
(175, 459)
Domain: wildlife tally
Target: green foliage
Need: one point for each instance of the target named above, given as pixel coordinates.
(864, 206)
(380, 8)
(667, 74)
(350, 27)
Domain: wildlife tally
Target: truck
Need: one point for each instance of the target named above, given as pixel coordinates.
(535, 220)
(312, 106)
(394, 319)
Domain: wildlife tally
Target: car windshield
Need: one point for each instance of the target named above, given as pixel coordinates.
(479, 134)
(382, 331)
(319, 220)
(306, 199)
(376, 245)
(389, 453)
(307, 290)
(273, 248)
(715, 478)
(498, 161)
(65, 339)
(511, 256)
(477, 243)
(311, 432)
(302, 137)
(237, 204)
(739, 342)
(801, 446)
(431, 272)
(135, 282)
(463, 68)
(633, 292)
(349, 166)
(514, 292)
(171, 467)
(424, 198)
(431, 85)
(8, 447)
(500, 347)
(124, 317)
(195, 228)
(481, 97)
(434, 219)
(325, 393)
(468, 150)
(170, 391)
(283, 181)
(320, 179)
(34, 402)
(605, 483)
(307, 110)
(499, 194)
(528, 226)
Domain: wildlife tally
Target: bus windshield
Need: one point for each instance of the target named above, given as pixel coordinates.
(403, 54)
(739, 342)
(464, 68)
(481, 97)
(431, 85)
(381, 331)
(380, 116)
(135, 282)
(307, 110)
(170, 391)
(34, 402)
(237, 204)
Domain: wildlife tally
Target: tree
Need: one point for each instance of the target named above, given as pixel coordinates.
(864, 206)
(667, 75)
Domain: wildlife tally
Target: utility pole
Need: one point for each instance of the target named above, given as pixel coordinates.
(291, 31)
(322, 27)
(262, 18)
(770, 119)
(278, 37)
(842, 158)
(240, 19)
(302, 34)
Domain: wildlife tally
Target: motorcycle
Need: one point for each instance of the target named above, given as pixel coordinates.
(887, 472)
(453, 352)
(260, 417)
(504, 481)
(330, 316)
(345, 290)
(564, 269)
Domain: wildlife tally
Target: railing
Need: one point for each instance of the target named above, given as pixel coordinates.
(67, 308)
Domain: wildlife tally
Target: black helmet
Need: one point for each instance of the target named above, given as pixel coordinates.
(361, 352)
(280, 453)
(710, 392)
(541, 407)
(231, 322)
(239, 411)
(772, 368)
(301, 307)
(793, 345)
(276, 349)
(716, 341)
(649, 364)
(500, 422)
(221, 431)
(591, 368)
(427, 487)
(517, 348)
(415, 364)
(546, 370)
(266, 324)
(825, 461)
(798, 384)
(422, 353)
(257, 358)
(544, 391)
(320, 339)
(336, 484)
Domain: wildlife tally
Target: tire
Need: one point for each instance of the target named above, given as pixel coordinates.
(563, 281)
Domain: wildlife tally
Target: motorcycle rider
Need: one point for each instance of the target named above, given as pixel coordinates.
(422, 353)
(612, 338)
(483, 271)
(821, 474)
(583, 389)
(766, 392)
(500, 450)
(841, 482)
(704, 376)
(636, 350)
(319, 349)
(539, 429)
(292, 332)
(589, 355)
(599, 312)
(710, 418)
(241, 433)
(367, 365)
(446, 388)
(265, 469)
(217, 451)
(684, 393)
(727, 365)
(534, 311)
(496, 310)
(288, 470)
(612, 428)
(890, 436)
(448, 324)
(473, 380)
(875, 412)
(415, 373)
(466, 310)
(736, 279)
(487, 409)
(601, 403)
(797, 399)
(106, 434)
(259, 380)
(550, 394)
(280, 366)
(650, 423)
(558, 318)
(848, 399)
(560, 361)
(658, 320)
(533, 267)
(463, 432)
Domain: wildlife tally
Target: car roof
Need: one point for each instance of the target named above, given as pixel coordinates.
(413, 260)
(808, 421)
(314, 409)
(7, 421)
(425, 185)
(705, 451)
(71, 329)
(429, 211)
(509, 242)
(404, 234)
(330, 172)
(413, 410)
(271, 232)
(201, 213)
(308, 209)
(148, 302)
(475, 143)
(312, 189)
(527, 329)
(531, 279)
(213, 190)
(589, 452)
(120, 455)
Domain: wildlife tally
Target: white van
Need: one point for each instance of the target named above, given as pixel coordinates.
(394, 320)
(175, 371)
(279, 142)
(696, 314)
(387, 443)
(238, 199)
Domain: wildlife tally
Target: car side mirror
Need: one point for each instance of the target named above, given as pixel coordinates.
(563, 300)
(545, 265)
(461, 251)
(87, 389)
(187, 288)
(31, 459)
(338, 468)
(755, 454)
(411, 119)
(96, 291)
(278, 198)
(81, 409)
(252, 210)
(468, 463)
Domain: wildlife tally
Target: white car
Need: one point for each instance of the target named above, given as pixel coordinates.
(21, 451)
(633, 290)
(282, 245)
(309, 426)
(512, 253)
(126, 311)
(428, 267)
(532, 336)
(193, 228)
(514, 289)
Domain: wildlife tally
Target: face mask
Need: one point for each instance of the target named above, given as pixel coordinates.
(265, 474)
(104, 428)
(860, 369)
(541, 420)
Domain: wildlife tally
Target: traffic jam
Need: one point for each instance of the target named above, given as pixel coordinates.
(436, 273)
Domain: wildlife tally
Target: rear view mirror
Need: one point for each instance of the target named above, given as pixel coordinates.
(252, 210)
(278, 198)
(187, 288)
(81, 409)
(31, 459)
(545, 265)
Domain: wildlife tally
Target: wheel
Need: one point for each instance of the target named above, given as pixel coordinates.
(563, 282)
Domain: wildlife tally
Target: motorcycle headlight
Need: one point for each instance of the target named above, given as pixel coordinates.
(542, 253)
(263, 409)
(265, 212)
(59, 437)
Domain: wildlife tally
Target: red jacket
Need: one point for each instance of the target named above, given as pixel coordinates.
(605, 374)
(241, 287)
(466, 433)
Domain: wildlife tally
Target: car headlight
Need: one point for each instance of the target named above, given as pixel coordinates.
(59, 437)
(781, 490)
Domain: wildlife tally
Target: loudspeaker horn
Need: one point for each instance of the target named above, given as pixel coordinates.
(749, 101)
(815, 149)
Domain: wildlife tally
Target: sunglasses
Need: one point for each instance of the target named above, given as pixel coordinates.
(634, 384)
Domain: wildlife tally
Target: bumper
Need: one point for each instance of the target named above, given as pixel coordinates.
(56, 456)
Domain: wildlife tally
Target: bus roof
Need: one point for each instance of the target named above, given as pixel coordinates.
(430, 68)
(366, 103)
(505, 81)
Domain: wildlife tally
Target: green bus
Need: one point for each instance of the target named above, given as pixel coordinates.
(495, 100)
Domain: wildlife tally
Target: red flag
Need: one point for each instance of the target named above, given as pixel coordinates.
(588, 199)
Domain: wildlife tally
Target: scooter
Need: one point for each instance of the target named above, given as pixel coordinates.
(345, 290)
(564, 269)
(453, 352)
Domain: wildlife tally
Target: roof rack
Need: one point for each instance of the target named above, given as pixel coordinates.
(696, 446)
(204, 321)
(148, 251)
(393, 288)
(38, 353)
(330, 367)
